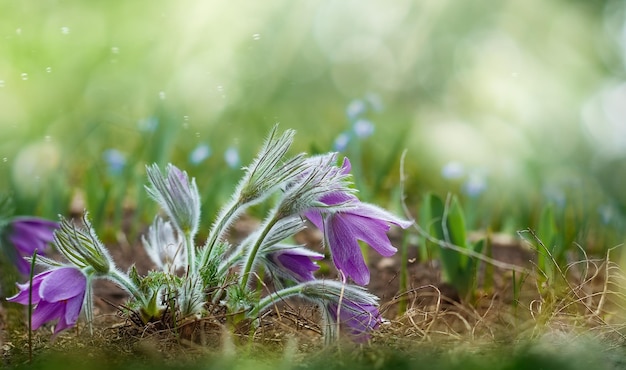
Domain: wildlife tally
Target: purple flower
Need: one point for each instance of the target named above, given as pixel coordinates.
(360, 318)
(177, 195)
(57, 294)
(28, 234)
(294, 263)
(358, 221)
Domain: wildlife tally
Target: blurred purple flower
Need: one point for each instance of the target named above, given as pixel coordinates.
(28, 234)
(360, 318)
(57, 294)
(359, 221)
(294, 263)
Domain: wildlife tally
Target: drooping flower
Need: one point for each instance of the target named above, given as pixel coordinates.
(57, 294)
(348, 305)
(30, 234)
(359, 317)
(356, 221)
(293, 263)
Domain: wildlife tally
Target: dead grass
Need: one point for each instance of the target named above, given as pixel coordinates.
(586, 304)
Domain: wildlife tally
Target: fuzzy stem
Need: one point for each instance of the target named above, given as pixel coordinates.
(124, 282)
(30, 307)
(271, 299)
(191, 252)
(219, 227)
(245, 275)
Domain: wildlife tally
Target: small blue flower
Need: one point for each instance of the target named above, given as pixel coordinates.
(115, 160)
(363, 128)
(453, 170)
(355, 109)
(231, 156)
(199, 154)
(148, 124)
(341, 142)
(475, 184)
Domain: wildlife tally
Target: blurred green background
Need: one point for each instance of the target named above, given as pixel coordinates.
(512, 104)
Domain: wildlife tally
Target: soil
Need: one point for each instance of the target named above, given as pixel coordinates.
(426, 300)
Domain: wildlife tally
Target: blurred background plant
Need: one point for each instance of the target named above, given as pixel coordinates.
(525, 98)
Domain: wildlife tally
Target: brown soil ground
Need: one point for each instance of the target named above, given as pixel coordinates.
(432, 308)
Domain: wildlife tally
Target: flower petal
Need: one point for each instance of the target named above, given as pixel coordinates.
(63, 283)
(345, 250)
(46, 311)
(22, 296)
(371, 211)
(315, 217)
(371, 231)
(301, 266)
(72, 311)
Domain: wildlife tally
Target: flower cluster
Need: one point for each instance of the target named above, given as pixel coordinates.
(189, 279)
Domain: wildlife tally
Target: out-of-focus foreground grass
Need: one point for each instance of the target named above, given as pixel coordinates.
(524, 99)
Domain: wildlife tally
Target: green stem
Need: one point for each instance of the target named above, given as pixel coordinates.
(245, 276)
(219, 227)
(30, 307)
(191, 252)
(126, 284)
(269, 300)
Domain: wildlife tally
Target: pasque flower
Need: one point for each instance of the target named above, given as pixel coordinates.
(360, 318)
(352, 222)
(291, 262)
(30, 234)
(164, 246)
(349, 305)
(57, 294)
(177, 195)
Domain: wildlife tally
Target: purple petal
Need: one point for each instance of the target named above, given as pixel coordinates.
(338, 198)
(72, 311)
(359, 318)
(346, 166)
(22, 296)
(315, 217)
(371, 231)
(345, 250)
(301, 266)
(46, 311)
(375, 212)
(62, 284)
